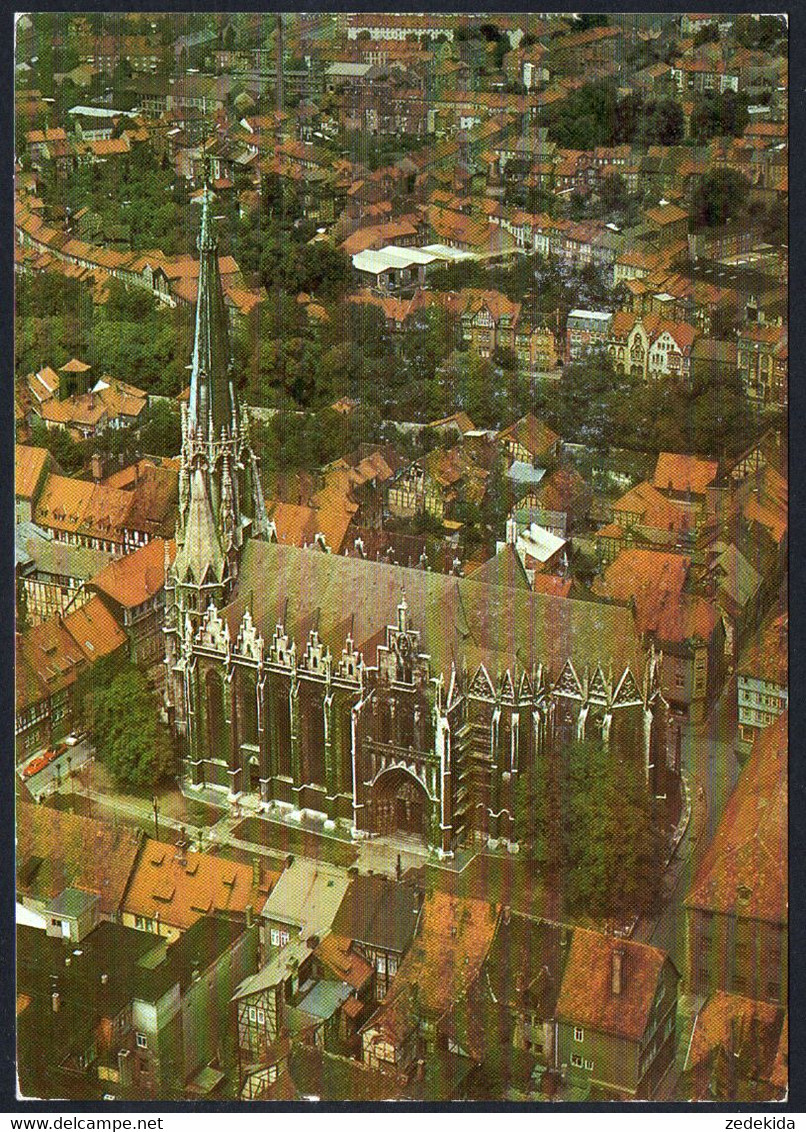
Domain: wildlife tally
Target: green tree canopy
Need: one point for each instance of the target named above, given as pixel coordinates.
(128, 737)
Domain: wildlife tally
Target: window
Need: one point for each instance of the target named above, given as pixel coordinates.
(261, 1018)
(252, 1014)
(392, 966)
(142, 1041)
(275, 937)
(576, 1061)
(579, 1034)
(380, 964)
(283, 938)
(588, 1064)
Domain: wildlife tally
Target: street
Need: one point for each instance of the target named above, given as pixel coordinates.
(709, 761)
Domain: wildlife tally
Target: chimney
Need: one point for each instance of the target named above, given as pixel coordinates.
(104, 979)
(507, 913)
(256, 872)
(55, 1001)
(617, 970)
(512, 532)
(249, 914)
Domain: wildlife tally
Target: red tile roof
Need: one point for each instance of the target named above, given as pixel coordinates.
(133, 579)
(744, 871)
(29, 465)
(586, 995)
(179, 888)
(678, 472)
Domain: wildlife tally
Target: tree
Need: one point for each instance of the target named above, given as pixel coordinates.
(613, 193)
(707, 34)
(129, 739)
(759, 33)
(719, 115)
(719, 196)
(663, 123)
(612, 847)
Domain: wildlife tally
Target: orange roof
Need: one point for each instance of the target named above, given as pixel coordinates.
(335, 952)
(549, 584)
(95, 630)
(586, 994)
(109, 147)
(744, 871)
(535, 436)
(678, 472)
(135, 578)
(74, 366)
(29, 464)
(652, 508)
(296, 524)
(76, 851)
(447, 953)
(722, 1013)
(179, 888)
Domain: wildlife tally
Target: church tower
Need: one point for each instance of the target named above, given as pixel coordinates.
(220, 497)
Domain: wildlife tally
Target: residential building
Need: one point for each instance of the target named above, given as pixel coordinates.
(53, 660)
(529, 440)
(54, 574)
(739, 1051)
(762, 359)
(303, 903)
(133, 588)
(737, 906)
(172, 887)
(763, 680)
(586, 330)
(683, 626)
(31, 468)
(380, 917)
(616, 1013)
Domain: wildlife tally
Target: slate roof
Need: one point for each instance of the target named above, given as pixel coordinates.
(379, 913)
(460, 619)
(503, 569)
(586, 996)
(744, 871)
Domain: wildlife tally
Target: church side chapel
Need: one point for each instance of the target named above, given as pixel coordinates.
(389, 700)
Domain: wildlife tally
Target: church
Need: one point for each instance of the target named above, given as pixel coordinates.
(387, 700)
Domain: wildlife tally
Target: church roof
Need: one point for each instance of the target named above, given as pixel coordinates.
(460, 619)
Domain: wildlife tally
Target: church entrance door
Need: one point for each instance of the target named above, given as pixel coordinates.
(400, 804)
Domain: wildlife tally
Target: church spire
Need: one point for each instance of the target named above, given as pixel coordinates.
(220, 500)
(212, 397)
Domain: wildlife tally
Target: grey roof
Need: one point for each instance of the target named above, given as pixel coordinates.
(460, 620)
(522, 473)
(307, 896)
(278, 968)
(73, 902)
(325, 998)
(33, 544)
(739, 579)
(380, 913)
